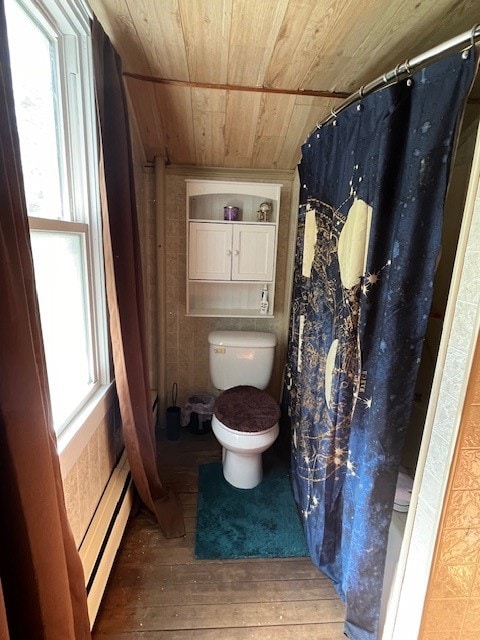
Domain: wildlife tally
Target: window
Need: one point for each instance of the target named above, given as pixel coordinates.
(53, 92)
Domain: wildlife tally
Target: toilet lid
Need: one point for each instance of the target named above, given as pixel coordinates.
(246, 408)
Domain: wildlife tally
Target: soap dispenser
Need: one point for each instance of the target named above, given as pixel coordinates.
(264, 300)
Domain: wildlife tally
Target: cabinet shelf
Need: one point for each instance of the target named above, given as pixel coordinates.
(249, 282)
(230, 261)
(231, 222)
(228, 313)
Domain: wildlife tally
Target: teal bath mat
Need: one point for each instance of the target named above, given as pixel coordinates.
(247, 523)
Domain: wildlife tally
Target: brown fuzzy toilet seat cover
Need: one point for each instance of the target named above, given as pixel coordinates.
(246, 408)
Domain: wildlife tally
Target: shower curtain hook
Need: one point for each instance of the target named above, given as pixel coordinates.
(334, 115)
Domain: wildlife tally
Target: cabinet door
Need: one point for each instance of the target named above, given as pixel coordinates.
(253, 252)
(209, 251)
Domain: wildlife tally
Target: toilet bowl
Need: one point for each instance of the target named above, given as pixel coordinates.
(245, 418)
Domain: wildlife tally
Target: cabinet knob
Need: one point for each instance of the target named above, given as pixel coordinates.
(237, 252)
(229, 252)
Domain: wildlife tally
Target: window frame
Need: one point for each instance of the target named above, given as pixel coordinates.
(68, 24)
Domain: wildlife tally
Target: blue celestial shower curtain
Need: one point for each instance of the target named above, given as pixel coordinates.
(372, 190)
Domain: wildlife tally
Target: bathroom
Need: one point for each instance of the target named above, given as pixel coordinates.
(186, 361)
(179, 345)
(178, 134)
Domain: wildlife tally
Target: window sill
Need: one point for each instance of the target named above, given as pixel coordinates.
(73, 440)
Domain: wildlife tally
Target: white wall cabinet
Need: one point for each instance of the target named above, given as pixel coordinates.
(230, 262)
(209, 251)
(232, 251)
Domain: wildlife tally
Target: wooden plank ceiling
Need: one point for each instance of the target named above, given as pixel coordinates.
(321, 45)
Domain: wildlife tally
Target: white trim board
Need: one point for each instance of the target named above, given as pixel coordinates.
(103, 537)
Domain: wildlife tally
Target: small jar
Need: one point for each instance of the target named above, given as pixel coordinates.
(231, 213)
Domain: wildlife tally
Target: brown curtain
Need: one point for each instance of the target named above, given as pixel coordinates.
(42, 582)
(124, 286)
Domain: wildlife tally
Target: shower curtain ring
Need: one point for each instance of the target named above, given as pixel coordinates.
(465, 52)
(396, 71)
(334, 116)
(472, 34)
(360, 98)
(408, 70)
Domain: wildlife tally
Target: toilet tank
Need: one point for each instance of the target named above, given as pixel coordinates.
(241, 357)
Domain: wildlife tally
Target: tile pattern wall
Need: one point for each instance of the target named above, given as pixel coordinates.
(453, 597)
(187, 338)
(86, 481)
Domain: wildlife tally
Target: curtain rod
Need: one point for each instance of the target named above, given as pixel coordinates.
(237, 87)
(405, 70)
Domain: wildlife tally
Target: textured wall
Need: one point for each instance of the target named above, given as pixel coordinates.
(187, 344)
(453, 598)
(86, 480)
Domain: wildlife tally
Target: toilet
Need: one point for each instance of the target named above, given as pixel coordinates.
(245, 417)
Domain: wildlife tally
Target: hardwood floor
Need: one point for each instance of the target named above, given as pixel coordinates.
(159, 591)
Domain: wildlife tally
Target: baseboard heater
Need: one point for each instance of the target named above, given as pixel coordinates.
(103, 537)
